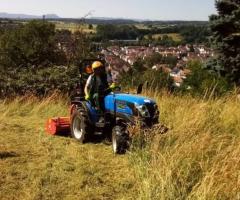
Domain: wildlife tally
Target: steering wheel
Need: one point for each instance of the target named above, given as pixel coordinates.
(117, 89)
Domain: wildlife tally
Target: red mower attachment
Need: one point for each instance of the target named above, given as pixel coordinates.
(57, 126)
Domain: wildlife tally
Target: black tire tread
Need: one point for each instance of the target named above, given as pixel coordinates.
(122, 139)
(87, 127)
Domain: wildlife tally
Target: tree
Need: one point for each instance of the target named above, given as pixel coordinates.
(81, 48)
(150, 37)
(167, 41)
(201, 80)
(154, 59)
(157, 58)
(195, 34)
(90, 26)
(138, 66)
(157, 79)
(30, 44)
(114, 32)
(226, 39)
(33, 59)
(170, 60)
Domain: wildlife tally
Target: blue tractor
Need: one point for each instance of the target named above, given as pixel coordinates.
(121, 111)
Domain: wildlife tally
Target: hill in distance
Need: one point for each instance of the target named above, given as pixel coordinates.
(25, 16)
(99, 20)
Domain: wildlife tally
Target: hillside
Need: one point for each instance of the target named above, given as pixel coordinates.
(197, 159)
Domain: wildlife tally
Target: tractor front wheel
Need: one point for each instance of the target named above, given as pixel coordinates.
(120, 140)
(80, 128)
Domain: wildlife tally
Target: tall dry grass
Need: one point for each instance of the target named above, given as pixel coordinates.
(197, 159)
(199, 156)
(34, 165)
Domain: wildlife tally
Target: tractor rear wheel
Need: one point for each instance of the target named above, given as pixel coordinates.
(80, 127)
(120, 140)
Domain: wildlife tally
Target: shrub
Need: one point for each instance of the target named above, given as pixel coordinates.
(38, 82)
(202, 81)
(151, 78)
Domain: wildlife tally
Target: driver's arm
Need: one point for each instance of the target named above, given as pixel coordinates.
(88, 87)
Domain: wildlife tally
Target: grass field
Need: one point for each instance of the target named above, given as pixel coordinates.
(197, 159)
(73, 27)
(144, 26)
(175, 36)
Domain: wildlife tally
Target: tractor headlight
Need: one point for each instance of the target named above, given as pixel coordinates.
(143, 110)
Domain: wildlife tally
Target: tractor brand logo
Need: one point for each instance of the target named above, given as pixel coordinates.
(121, 104)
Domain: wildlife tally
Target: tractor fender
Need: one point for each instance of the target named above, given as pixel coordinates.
(84, 109)
(90, 112)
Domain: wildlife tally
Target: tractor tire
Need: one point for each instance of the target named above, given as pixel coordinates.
(80, 127)
(120, 140)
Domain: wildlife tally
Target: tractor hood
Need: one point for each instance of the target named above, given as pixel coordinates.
(126, 106)
(135, 99)
(125, 102)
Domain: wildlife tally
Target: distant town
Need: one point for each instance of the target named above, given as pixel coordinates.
(129, 48)
(121, 59)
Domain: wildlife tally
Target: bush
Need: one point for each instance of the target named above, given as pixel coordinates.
(39, 82)
(151, 78)
(202, 81)
(142, 73)
(157, 79)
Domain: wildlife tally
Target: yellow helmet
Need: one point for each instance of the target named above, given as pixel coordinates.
(97, 64)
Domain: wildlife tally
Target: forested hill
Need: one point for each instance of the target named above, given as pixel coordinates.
(99, 20)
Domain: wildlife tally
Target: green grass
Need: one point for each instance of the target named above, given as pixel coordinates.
(142, 26)
(197, 159)
(73, 27)
(148, 27)
(175, 36)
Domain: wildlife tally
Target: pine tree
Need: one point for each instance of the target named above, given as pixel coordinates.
(226, 38)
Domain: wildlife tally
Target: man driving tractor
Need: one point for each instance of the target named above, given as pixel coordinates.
(97, 86)
(105, 111)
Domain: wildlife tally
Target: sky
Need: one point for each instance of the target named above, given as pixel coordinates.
(132, 9)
